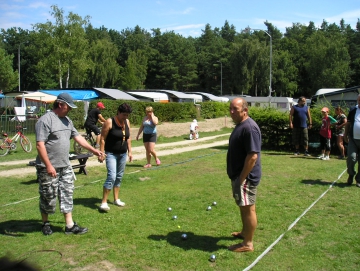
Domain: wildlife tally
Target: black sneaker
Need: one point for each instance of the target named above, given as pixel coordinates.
(46, 229)
(306, 153)
(76, 229)
(350, 180)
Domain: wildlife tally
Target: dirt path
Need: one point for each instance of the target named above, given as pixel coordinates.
(169, 129)
(164, 129)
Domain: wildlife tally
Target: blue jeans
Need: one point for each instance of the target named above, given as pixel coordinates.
(115, 164)
(352, 157)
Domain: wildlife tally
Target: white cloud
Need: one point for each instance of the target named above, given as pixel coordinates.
(187, 11)
(193, 30)
(348, 16)
(189, 26)
(37, 5)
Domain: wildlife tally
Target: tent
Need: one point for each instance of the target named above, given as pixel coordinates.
(75, 94)
(37, 97)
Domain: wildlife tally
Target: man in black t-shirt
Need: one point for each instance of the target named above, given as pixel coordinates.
(93, 117)
(244, 170)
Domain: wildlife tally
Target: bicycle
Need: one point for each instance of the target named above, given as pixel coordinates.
(90, 138)
(7, 144)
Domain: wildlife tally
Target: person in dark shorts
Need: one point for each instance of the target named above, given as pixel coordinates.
(299, 115)
(55, 174)
(116, 142)
(352, 137)
(339, 131)
(92, 119)
(148, 127)
(244, 170)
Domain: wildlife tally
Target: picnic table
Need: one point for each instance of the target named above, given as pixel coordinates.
(82, 159)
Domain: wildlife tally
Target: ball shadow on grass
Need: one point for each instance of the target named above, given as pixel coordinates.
(193, 241)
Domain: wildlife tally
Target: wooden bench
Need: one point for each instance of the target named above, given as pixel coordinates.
(82, 158)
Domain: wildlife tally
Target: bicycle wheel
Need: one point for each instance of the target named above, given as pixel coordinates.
(78, 149)
(25, 143)
(4, 147)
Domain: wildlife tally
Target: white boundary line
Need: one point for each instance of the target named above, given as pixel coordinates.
(291, 226)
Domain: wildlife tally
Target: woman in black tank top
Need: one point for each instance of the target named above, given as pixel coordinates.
(116, 142)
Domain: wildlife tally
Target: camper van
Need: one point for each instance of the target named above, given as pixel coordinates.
(282, 103)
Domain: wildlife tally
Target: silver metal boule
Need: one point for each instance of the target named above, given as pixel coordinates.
(184, 236)
(208, 208)
(214, 203)
(212, 258)
(174, 217)
(169, 209)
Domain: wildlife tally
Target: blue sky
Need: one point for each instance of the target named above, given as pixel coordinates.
(185, 17)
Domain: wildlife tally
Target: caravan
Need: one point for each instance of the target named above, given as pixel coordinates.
(282, 103)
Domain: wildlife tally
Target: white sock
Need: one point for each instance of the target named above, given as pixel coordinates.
(69, 226)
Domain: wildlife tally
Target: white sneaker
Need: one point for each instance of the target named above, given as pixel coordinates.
(321, 157)
(118, 202)
(104, 207)
(325, 158)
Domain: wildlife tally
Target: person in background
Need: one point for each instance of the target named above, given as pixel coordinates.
(299, 115)
(339, 130)
(352, 137)
(325, 135)
(148, 127)
(244, 170)
(55, 174)
(193, 128)
(94, 117)
(116, 142)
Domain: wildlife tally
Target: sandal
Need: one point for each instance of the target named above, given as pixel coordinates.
(147, 166)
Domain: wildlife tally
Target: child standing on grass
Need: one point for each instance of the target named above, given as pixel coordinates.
(325, 135)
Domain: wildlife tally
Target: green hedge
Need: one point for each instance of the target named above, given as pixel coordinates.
(273, 123)
(166, 112)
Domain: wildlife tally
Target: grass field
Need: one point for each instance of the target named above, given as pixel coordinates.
(144, 236)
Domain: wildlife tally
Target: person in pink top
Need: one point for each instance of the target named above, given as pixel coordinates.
(325, 135)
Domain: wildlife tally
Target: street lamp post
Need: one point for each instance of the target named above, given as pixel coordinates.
(249, 29)
(221, 77)
(19, 64)
(19, 60)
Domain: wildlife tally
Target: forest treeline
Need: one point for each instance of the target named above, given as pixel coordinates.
(70, 53)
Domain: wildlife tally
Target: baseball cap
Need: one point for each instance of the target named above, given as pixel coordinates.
(325, 109)
(100, 105)
(66, 98)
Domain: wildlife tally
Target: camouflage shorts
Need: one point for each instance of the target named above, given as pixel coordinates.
(50, 188)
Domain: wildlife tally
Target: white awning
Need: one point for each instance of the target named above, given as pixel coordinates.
(116, 94)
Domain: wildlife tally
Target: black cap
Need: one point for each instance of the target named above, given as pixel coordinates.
(66, 98)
